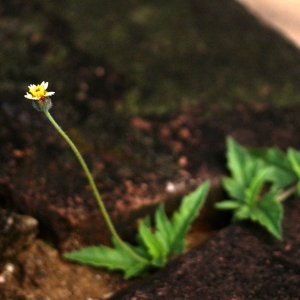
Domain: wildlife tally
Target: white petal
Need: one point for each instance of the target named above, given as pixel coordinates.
(28, 96)
(45, 84)
(50, 93)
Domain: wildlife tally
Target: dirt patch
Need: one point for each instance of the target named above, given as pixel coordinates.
(149, 165)
(39, 273)
(31, 269)
(239, 262)
(200, 144)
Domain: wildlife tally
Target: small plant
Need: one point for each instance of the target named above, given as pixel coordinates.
(260, 180)
(155, 244)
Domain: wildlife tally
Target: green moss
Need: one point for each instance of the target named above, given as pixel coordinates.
(170, 53)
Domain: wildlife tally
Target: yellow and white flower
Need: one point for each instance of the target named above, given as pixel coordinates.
(38, 92)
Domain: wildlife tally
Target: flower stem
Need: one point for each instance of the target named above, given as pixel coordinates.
(96, 192)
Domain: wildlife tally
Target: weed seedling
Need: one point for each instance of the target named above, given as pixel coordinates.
(260, 180)
(155, 244)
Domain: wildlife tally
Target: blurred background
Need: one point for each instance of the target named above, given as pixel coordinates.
(148, 57)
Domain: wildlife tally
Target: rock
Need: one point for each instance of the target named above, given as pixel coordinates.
(16, 233)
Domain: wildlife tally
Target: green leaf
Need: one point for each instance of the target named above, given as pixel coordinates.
(241, 213)
(280, 178)
(294, 158)
(282, 174)
(234, 188)
(183, 218)
(269, 214)
(236, 157)
(228, 204)
(168, 237)
(155, 246)
(253, 192)
(111, 258)
(272, 156)
(163, 226)
(250, 171)
(243, 168)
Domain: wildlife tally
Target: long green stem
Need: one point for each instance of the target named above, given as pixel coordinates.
(96, 192)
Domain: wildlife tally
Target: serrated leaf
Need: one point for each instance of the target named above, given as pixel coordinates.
(163, 227)
(236, 160)
(183, 218)
(111, 258)
(269, 214)
(243, 168)
(155, 246)
(251, 169)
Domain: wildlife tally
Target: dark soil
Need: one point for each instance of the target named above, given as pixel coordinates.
(239, 262)
(179, 151)
(200, 145)
(141, 160)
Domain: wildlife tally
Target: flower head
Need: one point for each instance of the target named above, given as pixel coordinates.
(40, 95)
(38, 92)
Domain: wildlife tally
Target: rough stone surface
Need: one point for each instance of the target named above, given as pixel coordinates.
(16, 233)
